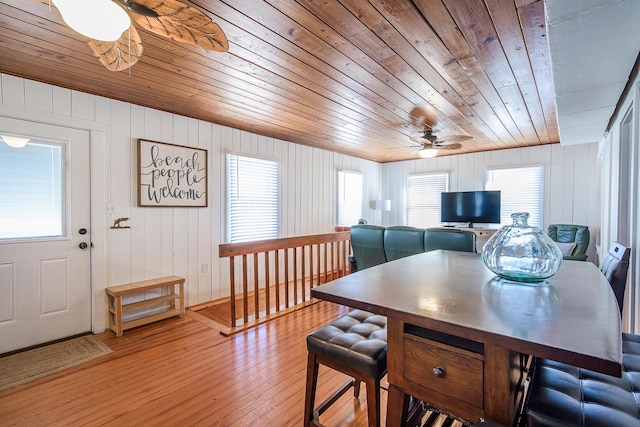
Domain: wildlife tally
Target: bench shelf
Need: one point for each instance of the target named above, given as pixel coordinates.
(117, 309)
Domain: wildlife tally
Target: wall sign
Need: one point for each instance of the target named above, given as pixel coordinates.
(171, 175)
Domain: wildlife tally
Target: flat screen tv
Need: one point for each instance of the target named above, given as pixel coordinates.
(471, 207)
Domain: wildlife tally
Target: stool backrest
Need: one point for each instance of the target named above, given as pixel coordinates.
(615, 266)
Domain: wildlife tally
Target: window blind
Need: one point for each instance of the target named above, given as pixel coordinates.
(350, 198)
(423, 198)
(253, 198)
(521, 191)
(32, 191)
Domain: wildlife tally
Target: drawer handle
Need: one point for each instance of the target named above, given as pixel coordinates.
(438, 371)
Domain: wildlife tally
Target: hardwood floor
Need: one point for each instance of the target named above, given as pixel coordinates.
(181, 372)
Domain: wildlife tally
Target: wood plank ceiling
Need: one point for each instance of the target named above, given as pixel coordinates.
(343, 75)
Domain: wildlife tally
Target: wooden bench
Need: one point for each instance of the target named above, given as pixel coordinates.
(116, 309)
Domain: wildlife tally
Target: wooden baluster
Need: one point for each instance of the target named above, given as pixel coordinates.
(295, 276)
(286, 277)
(339, 258)
(302, 276)
(266, 284)
(256, 287)
(245, 289)
(277, 281)
(232, 290)
(310, 269)
(318, 264)
(342, 257)
(333, 260)
(326, 245)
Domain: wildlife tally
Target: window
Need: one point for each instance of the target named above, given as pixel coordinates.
(521, 191)
(423, 198)
(32, 191)
(349, 198)
(252, 200)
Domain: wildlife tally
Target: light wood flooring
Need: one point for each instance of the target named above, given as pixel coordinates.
(182, 372)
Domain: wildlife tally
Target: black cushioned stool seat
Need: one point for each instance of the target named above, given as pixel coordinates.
(563, 395)
(355, 344)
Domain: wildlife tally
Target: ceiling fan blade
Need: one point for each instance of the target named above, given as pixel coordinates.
(404, 147)
(418, 117)
(454, 146)
(120, 54)
(181, 23)
(418, 139)
(449, 139)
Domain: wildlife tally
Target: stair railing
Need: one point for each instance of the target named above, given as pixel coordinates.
(268, 278)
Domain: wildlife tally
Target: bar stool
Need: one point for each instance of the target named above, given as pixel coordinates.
(356, 345)
(563, 395)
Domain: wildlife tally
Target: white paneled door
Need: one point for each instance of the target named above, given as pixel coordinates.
(45, 260)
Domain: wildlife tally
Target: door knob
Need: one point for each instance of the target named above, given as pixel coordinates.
(82, 231)
(82, 245)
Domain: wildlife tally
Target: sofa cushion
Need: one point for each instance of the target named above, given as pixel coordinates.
(450, 239)
(401, 241)
(566, 248)
(367, 243)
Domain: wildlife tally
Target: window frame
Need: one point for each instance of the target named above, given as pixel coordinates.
(63, 191)
(229, 214)
(436, 192)
(536, 217)
(339, 195)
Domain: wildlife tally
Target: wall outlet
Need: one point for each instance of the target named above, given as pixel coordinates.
(204, 268)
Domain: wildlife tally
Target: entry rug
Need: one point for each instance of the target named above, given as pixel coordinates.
(29, 365)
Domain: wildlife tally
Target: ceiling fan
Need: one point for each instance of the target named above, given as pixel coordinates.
(106, 23)
(428, 142)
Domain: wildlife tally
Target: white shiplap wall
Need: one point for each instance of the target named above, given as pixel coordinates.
(570, 181)
(181, 241)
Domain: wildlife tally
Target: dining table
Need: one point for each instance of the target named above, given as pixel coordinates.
(462, 339)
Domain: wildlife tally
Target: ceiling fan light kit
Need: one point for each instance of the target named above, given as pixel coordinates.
(98, 19)
(428, 153)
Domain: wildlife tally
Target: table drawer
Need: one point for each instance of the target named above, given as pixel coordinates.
(461, 372)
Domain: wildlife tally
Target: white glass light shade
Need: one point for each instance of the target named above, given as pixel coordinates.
(14, 141)
(97, 19)
(428, 153)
